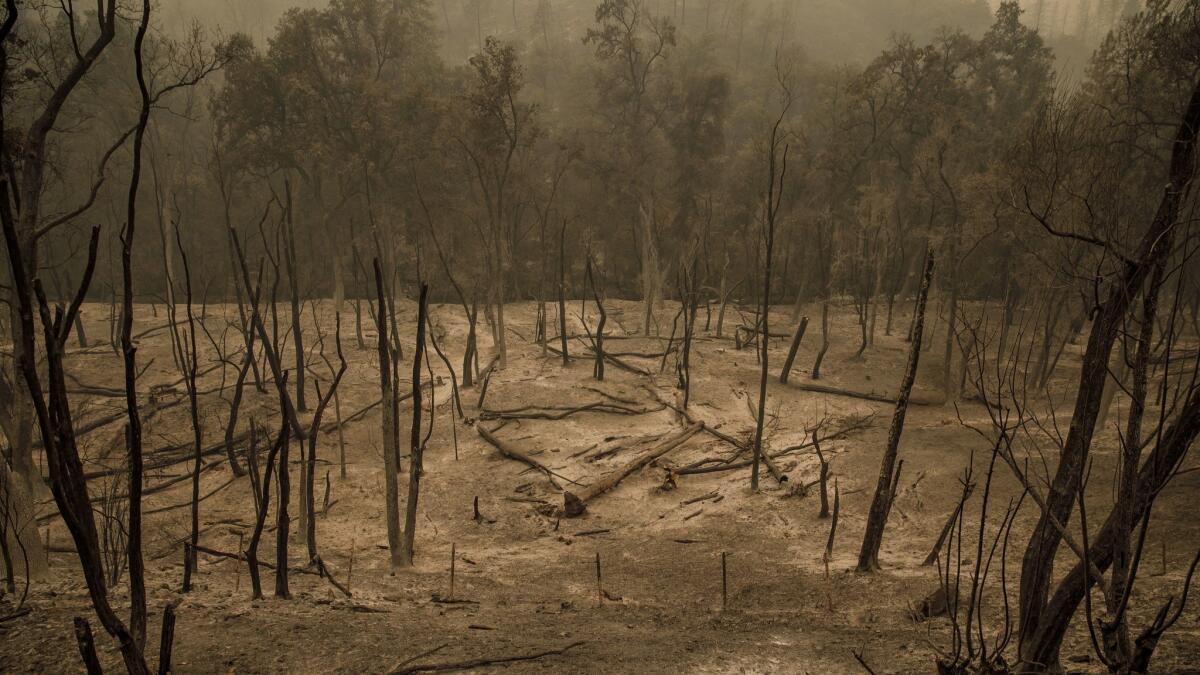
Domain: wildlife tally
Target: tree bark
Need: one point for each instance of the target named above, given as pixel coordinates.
(791, 357)
(816, 371)
(868, 556)
(294, 294)
(416, 447)
(575, 504)
(390, 452)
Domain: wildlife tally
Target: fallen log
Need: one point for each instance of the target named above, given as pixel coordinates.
(779, 476)
(730, 466)
(617, 336)
(479, 663)
(556, 413)
(702, 498)
(170, 461)
(512, 453)
(609, 358)
(687, 417)
(180, 505)
(575, 504)
(849, 393)
(727, 463)
(322, 570)
(756, 331)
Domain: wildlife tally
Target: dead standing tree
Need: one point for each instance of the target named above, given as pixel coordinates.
(562, 292)
(1044, 618)
(390, 451)
(776, 173)
(307, 500)
(689, 297)
(416, 445)
(470, 354)
(289, 259)
(868, 556)
(598, 338)
(137, 574)
(824, 254)
(24, 201)
(190, 364)
(264, 498)
(54, 416)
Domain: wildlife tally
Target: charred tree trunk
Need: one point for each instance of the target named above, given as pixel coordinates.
(1115, 630)
(816, 370)
(774, 196)
(793, 350)
(314, 432)
(53, 413)
(283, 523)
(949, 390)
(650, 271)
(1041, 626)
(868, 557)
(416, 447)
(562, 292)
(823, 476)
(270, 350)
(289, 257)
(235, 405)
(191, 365)
(470, 354)
(137, 573)
(722, 296)
(264, 504)
(598, 339)
(690, 299)
(390, 452)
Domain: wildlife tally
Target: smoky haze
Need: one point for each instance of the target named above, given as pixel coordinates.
(599, 336)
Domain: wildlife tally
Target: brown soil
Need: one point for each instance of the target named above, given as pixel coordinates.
(528, 578)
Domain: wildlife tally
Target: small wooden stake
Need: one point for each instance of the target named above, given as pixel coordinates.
(350, 570)
(453, 551)
(599, 587)
(724, 582)
(167, 640)
(187, 567)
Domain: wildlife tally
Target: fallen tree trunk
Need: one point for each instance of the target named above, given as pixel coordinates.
(609, 358)
(779, 476)
(321, 570)
(836, 391)
(575, 504)
(513, 453)
(717, 464)
(477, 663)
(561, 412)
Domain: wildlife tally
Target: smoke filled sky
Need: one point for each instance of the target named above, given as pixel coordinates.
(830, 30)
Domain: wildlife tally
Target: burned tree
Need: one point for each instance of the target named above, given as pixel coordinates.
(389, 405)
(416, 444)
(776, 174)
(881, 504)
